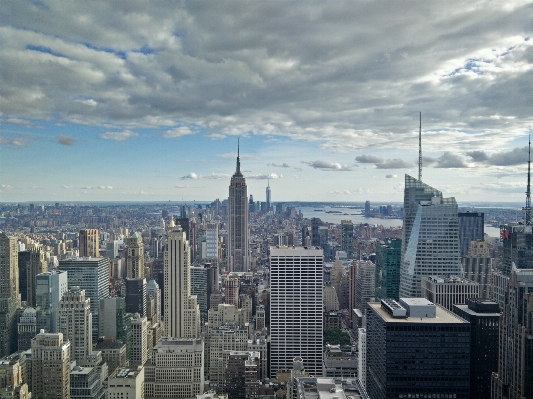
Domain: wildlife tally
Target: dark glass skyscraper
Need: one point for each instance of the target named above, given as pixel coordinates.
(410, 355)
(471, 228)
(388, 260)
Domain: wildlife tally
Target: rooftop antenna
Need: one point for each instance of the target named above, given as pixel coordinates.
(238, 155)
(528, 192)
(420, 149)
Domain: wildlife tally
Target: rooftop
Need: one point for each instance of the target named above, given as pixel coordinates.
(443, 316)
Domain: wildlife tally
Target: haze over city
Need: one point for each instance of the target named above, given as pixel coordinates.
(137, 101)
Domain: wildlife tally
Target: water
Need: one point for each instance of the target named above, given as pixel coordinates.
(309, 212)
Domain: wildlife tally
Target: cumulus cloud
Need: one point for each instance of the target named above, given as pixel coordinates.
(391, 176)
(276, 165)
(368, 159)
(191, 175)
(516, 156)
(340, 192)
(65, 140)
(427, 161)
(181, 186)
(380, 163)
(328, 166)
(177, 132)
(450, 160)
(478, 156)
(395, 163)
(118, 136)
(6, 186)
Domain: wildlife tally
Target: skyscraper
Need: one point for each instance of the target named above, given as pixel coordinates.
(471, 228)
(388, 260)
(238, 256)
(135, 256)
(430, 243)
(182, 314)
(50, 358)
(74, 321)
(89, 244)
(347, 238)
(409, 351)
(211, 234)
(91, 275)
(31, 263)
(296, 322)
(268, 198)
(9, 294)
(50, 287)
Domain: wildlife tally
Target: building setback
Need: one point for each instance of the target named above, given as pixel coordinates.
(448, 290)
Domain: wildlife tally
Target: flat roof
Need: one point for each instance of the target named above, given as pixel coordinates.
(466, 309)
(443, 316)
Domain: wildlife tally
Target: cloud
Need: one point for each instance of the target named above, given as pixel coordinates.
(340, 192)
(368, 159)
(391, 176)
(16, 142)
(381, 163)
(395, 163)
(449, 160)
(328, 166)
(427, 161)
(6, 186)
(177, 132)
(516, 156)
(272, 176)
(181, 186)
(64, 186)
(118, 136)
(478, 156)
(65, 140)
(191, 175)
(275, 165)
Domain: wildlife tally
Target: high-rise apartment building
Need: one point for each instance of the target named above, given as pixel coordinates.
(471, 228)
(296, 323)
(91, 275)
(50, 287)
(75, 323)
(410, 351)
(484, 319)
(182, 314)
(447, 291)
(347, 238)
(176, 369)
(9, 294)
(135, 256)
(477, 266)
(89, 244)
(238, 253)
(50, 358)
(139, 340)
(430, 244)
(388, 261)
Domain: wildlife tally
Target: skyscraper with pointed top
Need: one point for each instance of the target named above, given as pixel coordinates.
(238, 254)
(268, 198)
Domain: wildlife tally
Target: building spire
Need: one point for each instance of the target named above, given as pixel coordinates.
(238, 170)
(528, 191)
(420, 149)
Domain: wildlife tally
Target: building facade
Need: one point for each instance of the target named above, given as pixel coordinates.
(388, 261)
(89, 243)
(447, 291)
(296, 323)
(9, 294)
(135, 256)
(416, 348)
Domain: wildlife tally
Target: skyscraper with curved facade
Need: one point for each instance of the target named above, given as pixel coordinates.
(238, 254)
(430, 243)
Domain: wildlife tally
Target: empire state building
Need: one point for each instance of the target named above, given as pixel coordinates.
(238, 255)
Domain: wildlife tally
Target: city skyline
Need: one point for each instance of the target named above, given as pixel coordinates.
(324, 97)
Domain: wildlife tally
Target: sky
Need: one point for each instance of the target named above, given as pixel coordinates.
(146, 100)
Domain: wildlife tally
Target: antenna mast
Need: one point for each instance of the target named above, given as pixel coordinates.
(420, 149)
(528, 192)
